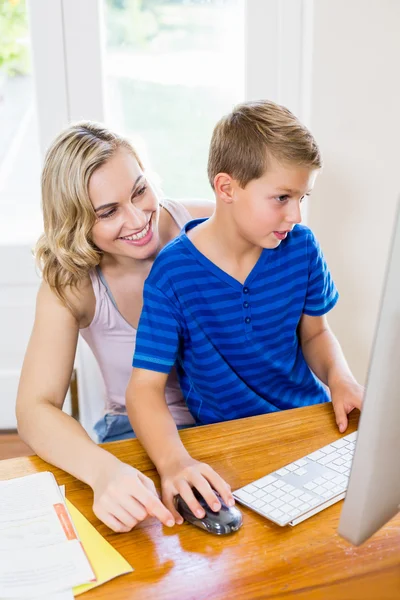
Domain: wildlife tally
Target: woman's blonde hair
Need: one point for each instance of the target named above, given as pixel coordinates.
(65, 252)
(244, 140)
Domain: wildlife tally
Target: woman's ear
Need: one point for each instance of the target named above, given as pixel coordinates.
(223, 186)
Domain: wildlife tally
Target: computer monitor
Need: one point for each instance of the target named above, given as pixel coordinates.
(373, 495)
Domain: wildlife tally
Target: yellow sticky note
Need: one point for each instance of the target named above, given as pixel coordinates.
(106, 562)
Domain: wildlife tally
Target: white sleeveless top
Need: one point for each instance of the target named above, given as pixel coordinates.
(112, 341)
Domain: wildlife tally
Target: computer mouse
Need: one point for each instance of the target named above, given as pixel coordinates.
(227, 520)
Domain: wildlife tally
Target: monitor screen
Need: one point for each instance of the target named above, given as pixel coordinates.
(373, 495)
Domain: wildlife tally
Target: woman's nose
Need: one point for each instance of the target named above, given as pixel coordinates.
(135, 218)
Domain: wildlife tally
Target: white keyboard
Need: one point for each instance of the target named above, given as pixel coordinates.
(303, 488)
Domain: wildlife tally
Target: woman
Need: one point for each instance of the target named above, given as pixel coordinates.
(103, 227)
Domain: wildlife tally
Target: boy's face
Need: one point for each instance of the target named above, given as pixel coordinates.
(269, 207)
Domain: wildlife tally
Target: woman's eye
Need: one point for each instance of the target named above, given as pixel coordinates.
(282, 199)
(108, 214)
(141, 191)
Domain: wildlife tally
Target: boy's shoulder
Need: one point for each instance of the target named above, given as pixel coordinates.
(301, 232)
(169, 262)
(302, 236)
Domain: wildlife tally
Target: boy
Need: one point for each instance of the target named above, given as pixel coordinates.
(238, 302)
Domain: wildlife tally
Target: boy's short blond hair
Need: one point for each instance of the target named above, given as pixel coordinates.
(244, 140)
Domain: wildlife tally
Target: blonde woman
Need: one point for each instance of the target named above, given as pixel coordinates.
(103, 228)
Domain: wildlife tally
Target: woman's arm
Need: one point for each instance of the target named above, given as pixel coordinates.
(122, 495)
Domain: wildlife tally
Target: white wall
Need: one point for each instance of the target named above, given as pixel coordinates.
(355, 118)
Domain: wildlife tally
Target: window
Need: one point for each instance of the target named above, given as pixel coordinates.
(172, 69)
(19, 149)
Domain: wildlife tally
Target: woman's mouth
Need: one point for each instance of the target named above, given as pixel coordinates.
(141, 238)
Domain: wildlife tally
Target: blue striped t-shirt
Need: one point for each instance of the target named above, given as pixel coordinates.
(235, 345)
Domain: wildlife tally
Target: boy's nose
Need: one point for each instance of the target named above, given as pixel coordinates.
(294, 213)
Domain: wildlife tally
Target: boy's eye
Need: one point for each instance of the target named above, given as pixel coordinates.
(282, 199)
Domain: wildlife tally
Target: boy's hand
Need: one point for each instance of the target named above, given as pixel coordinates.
(123, 497)
(346, 395)
(179, 478)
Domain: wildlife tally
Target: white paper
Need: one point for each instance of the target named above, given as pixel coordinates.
(40, 553)
(66, 595)
(28, 496)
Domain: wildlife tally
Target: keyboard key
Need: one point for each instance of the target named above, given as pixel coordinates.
(310, 485)
(259, 494)
(329, 449)
(329, 458)
(245, 496)
(301, 462)
(352, 437)
(314, 501)
(319, 481)
(268, 489)
(316, 455)
(277, 503)
(300, 471)
(279, 484)
(339, 488)
(278, 493)
(264, 481)
(327, 494)
(296, 493)
(339, 444)
(343, 450)
(258, 503)
(282, 472)
(328, 475)
(306, 497)
(342, 469)
(266, 509)
(339, 461)
(250, 488)
(291, 467)
(288, 487)
(340, 479)
(296, 503)
(336, 468)
(287, 498)
(275, 514)
(268, 498)
(319, 490)
(328, 485)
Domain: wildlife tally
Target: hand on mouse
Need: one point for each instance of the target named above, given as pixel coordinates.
(178, 477)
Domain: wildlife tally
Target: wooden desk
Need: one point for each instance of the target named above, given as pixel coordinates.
(308, 562)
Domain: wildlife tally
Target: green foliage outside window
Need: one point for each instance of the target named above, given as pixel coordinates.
(14, 48)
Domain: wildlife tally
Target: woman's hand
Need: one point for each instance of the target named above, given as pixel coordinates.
(123, 497)
(180, 476)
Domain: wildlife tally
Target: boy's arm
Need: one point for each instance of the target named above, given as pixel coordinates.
(325, 358)
(156, 430)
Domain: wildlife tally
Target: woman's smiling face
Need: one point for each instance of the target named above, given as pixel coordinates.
(126, 207)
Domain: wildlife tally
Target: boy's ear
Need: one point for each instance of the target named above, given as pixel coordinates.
(223, 186)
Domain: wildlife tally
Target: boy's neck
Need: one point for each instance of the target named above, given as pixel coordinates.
(218, 239)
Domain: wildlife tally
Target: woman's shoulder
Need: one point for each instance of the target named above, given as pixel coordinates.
(199, 208)
(78, 300)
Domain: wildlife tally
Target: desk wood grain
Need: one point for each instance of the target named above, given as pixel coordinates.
(307, 562)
